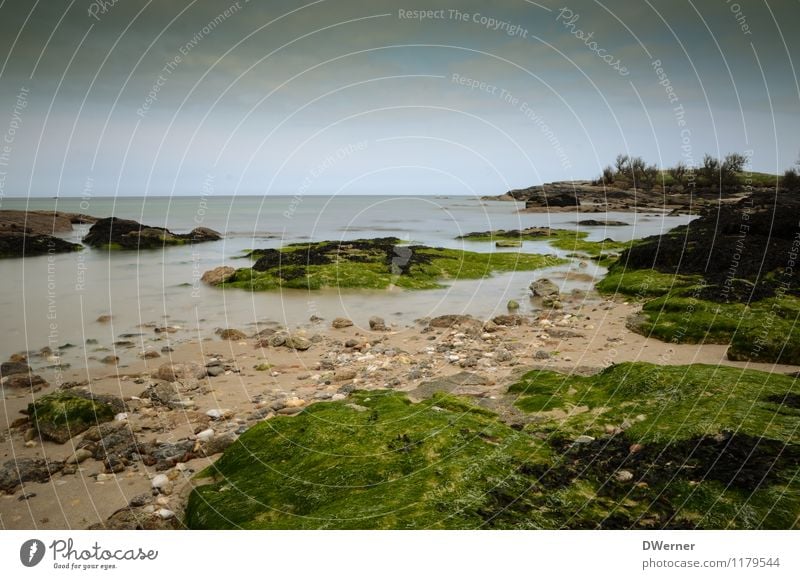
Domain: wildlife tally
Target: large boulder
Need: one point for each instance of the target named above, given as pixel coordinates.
(116, 233)
(61, 415)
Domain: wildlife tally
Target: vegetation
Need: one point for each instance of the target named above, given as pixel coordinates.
(728, 175)
(636, 446)
(375, 264)
(63, 414)
(568, 239)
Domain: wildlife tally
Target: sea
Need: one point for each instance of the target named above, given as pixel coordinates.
(55, 301)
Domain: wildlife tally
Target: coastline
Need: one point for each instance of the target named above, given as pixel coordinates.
(586, 336)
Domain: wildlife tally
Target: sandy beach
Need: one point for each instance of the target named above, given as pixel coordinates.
(257, 381)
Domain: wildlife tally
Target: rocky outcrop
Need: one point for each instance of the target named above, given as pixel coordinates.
(116, 233)
(31, 233)
(61, 415)
(15, 473)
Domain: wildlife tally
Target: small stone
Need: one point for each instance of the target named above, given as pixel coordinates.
(205, 434)
(165, 513)
(512, 305)
(624, 476)
(584, 439)
(377, 324)
(340, 323)
(110, 359)
(160, 481)
(104, 319)
(231, 334)
(219, 413)
(344, 374)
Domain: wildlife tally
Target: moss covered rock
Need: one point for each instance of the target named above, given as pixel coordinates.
(61, 415)
(636, 446)
(374, 264)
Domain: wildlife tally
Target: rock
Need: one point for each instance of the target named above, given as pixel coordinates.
(162, 393)
(541, 355)
(490, 327)
(544, 288)
(344, 374)
(104, 319)
(202, 234)
(584, 439)
(377, 324)
(166, 329)
(116, 441)
(172, 372)
(294, 341)
(450, 320)
(32, 382)
(9, 368)
(16, 472)
(219, 413)
(554, 197)
(217, 444)
(21, 244)
(135, 519)
(512, 305)
(340, 323)
(160, 481)
(110, 359)
(231, 334)
(551, 302)
(623, 475)
(509, 320)
(61, 415)
(205, 435)
(165, 514)
(80, 455)
(149, 355)
(116, 233)
(214, 371)
(462, 381)
(596, 223)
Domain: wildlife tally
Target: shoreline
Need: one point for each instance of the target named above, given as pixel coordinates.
(586, 336)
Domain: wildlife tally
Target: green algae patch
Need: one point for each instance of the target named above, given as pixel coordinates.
(61, 415)
(374, 264)
(637, 446)
(376, 461)
(693, 446)
(682, 309)
(566, 239)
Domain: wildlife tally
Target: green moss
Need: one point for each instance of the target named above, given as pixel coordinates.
(322, 265)
(394, 465)
(671, 402)
(567, 239)
(716, 448)
(61, 415)
(643, 283)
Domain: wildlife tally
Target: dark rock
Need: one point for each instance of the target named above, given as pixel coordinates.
(16, 244)
(28, 381)
(377, 324)
(116, 233)
(231, 334)
(15, 473)
(9, 368)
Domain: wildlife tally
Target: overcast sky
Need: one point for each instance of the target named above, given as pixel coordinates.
(167, 97)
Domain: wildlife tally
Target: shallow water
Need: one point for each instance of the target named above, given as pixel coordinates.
(55, 300)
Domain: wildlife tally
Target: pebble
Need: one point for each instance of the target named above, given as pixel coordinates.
(584, 439)
(219, 413)
(160, 481)
(205, 434)
(165, 513)
(624, 476)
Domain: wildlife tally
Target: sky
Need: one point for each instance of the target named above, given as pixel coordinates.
(189, 97)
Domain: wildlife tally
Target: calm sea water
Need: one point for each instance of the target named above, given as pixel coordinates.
(48, 301)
